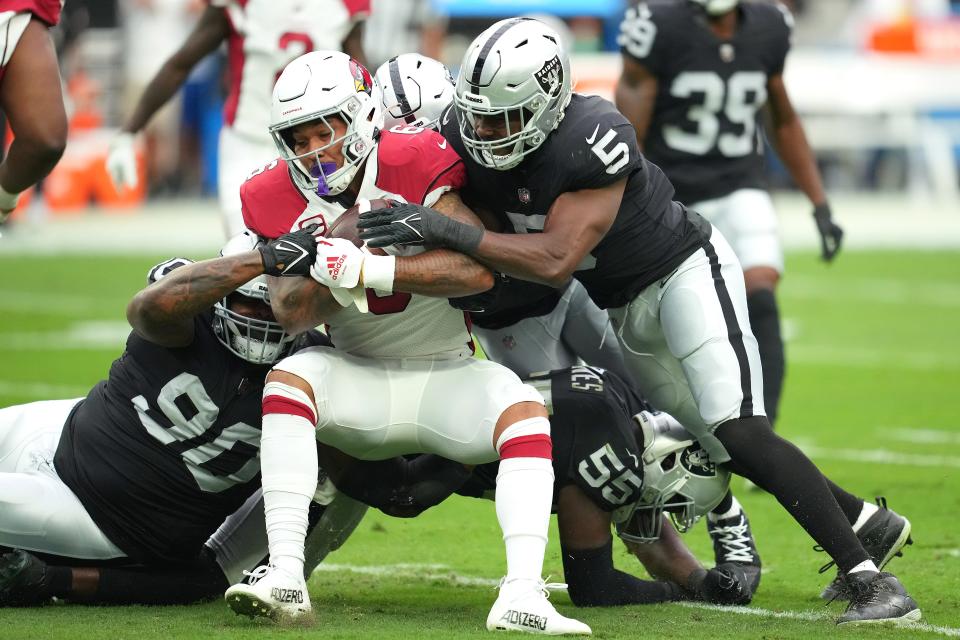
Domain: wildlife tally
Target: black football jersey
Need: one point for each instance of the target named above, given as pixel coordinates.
(596, 442)
(165, 448)
(593, 147)
(705, 131)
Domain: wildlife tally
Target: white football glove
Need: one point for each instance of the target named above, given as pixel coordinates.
(122, 161)
(338, 267)
(338, 264)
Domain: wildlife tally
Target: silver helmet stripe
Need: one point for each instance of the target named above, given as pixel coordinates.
(487, 46)
(399, 91)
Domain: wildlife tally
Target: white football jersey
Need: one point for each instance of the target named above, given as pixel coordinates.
(268, 34)
(412, 168)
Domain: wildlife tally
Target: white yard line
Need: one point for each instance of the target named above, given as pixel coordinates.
(841, 356)
(42, 390)
(922, 436)
(875, 290)
(881, 456)
(442, 572)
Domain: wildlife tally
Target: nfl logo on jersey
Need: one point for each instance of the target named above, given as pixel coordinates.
(524, 195)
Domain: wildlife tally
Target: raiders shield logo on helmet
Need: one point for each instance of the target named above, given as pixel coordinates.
(695, 460)
(550, 76)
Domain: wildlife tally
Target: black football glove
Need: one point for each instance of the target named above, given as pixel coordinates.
(830, 232)
(414, 224)
(726, 584)
(292, 254)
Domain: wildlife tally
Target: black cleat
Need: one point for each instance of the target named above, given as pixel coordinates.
(23, 580)
(733, 544)
(883, 536)
(878, 598)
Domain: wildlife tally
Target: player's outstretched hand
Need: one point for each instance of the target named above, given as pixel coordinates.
(292, 254)
(831, 234)
(122, 162)
(416, 225)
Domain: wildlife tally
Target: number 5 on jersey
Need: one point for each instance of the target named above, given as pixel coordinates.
(614, 157)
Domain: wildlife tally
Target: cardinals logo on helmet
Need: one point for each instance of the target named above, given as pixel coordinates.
(362, 81)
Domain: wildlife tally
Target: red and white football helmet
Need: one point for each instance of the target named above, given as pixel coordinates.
(314, 87)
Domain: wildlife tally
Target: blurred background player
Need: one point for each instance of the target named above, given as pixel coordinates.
(403, 26)
(30, 96)
(262, 36)
(697, 76)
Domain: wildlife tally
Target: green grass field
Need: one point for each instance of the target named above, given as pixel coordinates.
(871, 394)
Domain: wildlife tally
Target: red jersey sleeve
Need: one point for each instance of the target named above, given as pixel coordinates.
(358, 9)
(270, 202)
(47, 11)
(416, 165)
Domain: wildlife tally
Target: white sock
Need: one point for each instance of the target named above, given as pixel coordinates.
(288, 468)
(734, 509)
(524, 497)
(866, 565)
(865, 514)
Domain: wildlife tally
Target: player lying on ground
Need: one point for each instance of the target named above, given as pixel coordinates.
(147, 466)
(598, 446)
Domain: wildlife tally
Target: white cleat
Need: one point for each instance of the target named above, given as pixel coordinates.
(523, 606)
(271, 593)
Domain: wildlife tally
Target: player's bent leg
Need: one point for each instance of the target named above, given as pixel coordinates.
(31, 98)
(288, 459)
(523, 500)
(39, 512)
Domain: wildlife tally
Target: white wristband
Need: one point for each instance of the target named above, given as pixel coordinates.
(378, 272)
(8, 201)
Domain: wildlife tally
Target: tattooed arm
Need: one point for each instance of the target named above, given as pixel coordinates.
(163, 312)
(442, 273)
(300, 304)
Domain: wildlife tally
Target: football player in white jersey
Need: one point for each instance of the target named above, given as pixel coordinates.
(402, 379)
(262, 36)
(30, 96)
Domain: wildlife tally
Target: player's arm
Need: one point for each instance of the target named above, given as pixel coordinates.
(443, 273)
(212, 29)
(635, 96)
(399, 486)
(352, 44)
(300, 304)
(575, 224)
(789, 139)
(587, 551)
(163, 312)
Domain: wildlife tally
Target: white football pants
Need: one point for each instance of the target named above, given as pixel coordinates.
(688, 342)
(38, 512)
